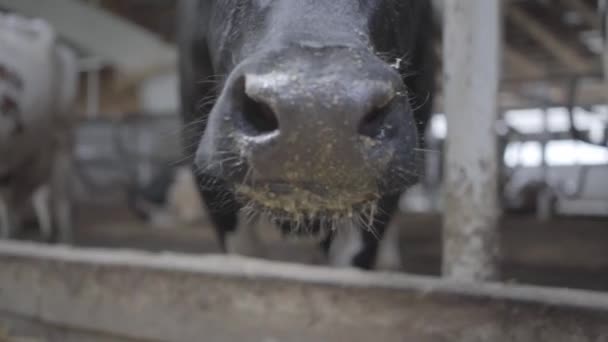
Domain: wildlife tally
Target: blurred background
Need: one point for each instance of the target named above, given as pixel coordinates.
(132, 189)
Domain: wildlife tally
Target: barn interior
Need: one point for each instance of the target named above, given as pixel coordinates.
(133, 190)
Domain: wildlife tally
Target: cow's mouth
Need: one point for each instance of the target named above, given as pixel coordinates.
(297, 202)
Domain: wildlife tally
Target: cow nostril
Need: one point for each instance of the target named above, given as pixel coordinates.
(259, 116)
(373, 123)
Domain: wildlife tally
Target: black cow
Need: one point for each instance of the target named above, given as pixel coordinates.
(306, 110)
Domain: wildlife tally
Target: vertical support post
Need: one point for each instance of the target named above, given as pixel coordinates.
(472, 43)
(544, 200)
(92, 93)
(604, 20)
(91, 67)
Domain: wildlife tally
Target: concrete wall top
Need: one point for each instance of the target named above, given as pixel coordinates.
(170, 297)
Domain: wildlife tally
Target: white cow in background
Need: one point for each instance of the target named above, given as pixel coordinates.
(38, 84)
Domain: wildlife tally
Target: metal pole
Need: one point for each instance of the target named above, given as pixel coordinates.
(472, 43)
(92, 66)
(604, 21)
(92, 96)
(544, 200)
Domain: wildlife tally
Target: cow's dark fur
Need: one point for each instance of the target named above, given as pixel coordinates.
(223, 42)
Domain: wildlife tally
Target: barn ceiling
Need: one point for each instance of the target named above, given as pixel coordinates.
(113, 39)
(549, 45)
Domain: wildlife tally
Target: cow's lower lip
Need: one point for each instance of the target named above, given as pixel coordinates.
(298, 214)
(283, 188)
(278, 188)
(293, 200)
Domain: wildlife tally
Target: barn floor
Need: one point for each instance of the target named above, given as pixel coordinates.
(566, 252)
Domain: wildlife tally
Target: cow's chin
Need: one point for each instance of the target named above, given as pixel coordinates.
(299, 205)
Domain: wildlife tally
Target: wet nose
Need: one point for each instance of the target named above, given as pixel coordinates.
(334, 129)
(284, 105)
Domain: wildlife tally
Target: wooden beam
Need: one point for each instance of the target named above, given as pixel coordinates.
(515, 60)
(564, 53)
(519, 62)
(589, 15)
(472, 31)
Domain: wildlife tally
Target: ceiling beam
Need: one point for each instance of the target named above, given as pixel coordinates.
(558, 48)
(521, 64)
(588, 14)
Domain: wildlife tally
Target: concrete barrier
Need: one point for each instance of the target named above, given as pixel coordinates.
(68, 294)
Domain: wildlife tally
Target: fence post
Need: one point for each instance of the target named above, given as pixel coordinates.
(472, 43)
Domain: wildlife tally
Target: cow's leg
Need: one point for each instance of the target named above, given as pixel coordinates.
(344, 244)
(61, 198)
(244, 240)
(235, 231)
(223, 218)
(42, 206)
(355, 246)
(63, 213)
(6, 221)
(368, 247)
(389, 251)
(366, 256)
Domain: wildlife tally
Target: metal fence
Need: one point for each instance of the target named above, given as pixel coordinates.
(112, 155)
